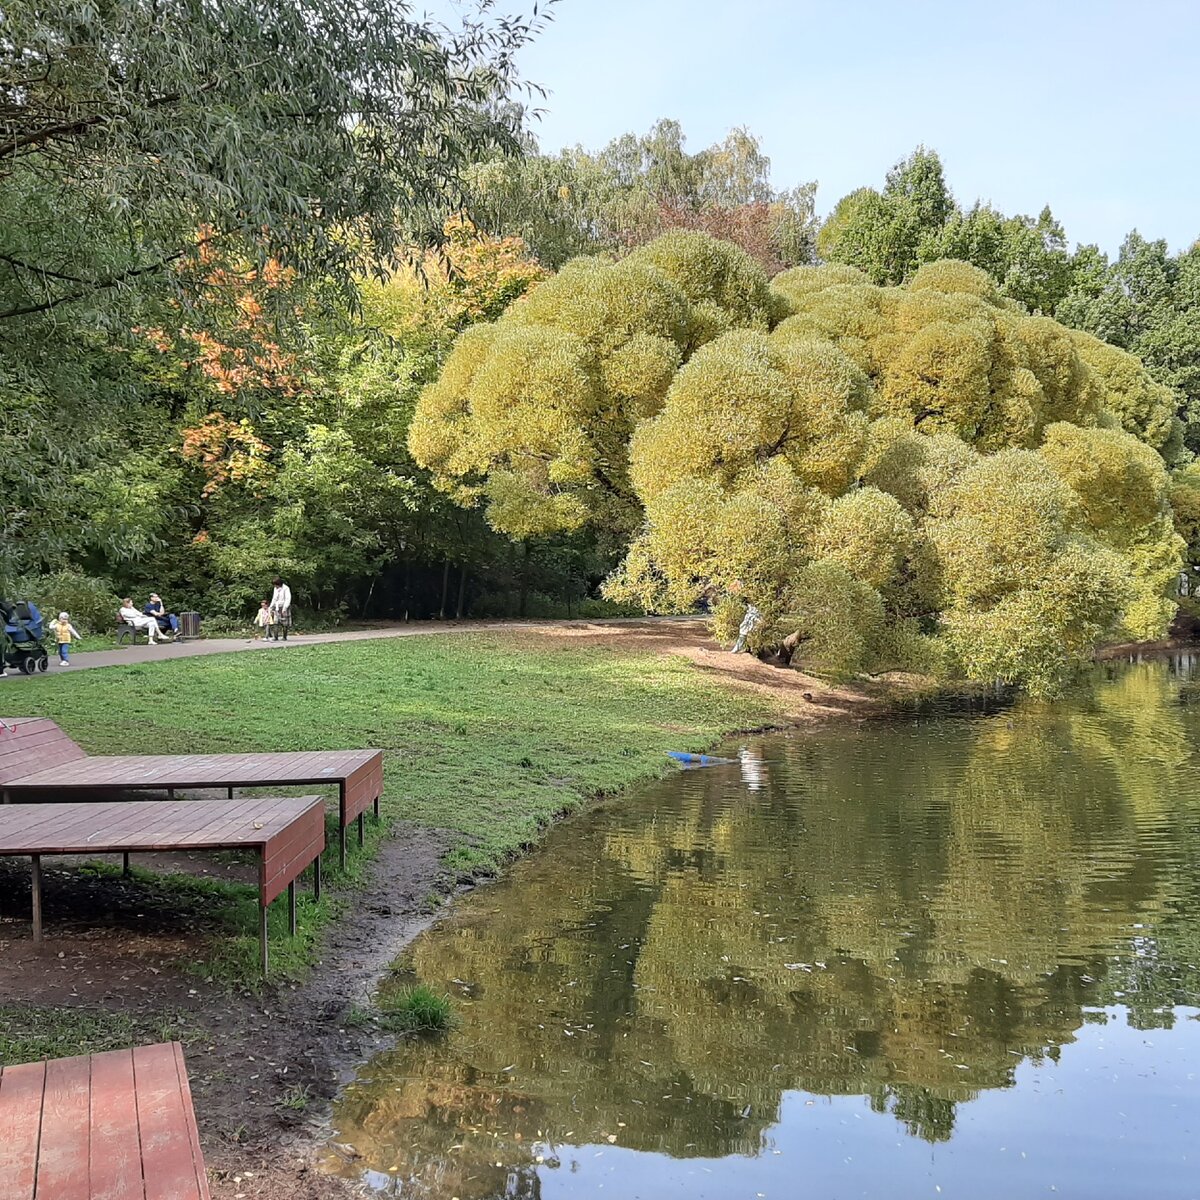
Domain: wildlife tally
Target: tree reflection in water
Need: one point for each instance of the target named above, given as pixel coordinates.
(904, 912)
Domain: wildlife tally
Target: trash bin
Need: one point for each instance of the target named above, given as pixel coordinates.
(189, 624)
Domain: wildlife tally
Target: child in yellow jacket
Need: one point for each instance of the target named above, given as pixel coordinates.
(64, 632)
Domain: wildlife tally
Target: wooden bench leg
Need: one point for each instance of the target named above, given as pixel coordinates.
(342, 840)
(263, 953)
(362, 823)
(317, 878)
(36, 894)
(292, 908)
(377, 808)
(125, 864)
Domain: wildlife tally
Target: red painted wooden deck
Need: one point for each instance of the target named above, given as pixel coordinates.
(114, 1126)
(39, 761)
(287, 832)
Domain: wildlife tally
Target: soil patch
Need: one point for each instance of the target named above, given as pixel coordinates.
(263, 1068)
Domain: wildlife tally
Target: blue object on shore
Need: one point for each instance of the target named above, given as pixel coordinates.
(699, 760)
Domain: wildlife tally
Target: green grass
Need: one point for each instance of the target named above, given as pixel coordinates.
(488, 737)
(30, 1032)
(416, 1009)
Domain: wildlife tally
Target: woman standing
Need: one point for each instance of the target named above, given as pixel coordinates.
(281, 609)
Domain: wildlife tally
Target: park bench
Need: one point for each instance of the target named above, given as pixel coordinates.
(113, 1126)
(287, 833)
(38, 761)
(128, 633)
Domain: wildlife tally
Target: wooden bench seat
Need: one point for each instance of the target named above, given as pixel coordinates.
(287, 832)
(38, 761)
(112, 1126)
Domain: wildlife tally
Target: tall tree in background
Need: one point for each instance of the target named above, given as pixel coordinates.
(1147, 302)
(888, 234)
(636, 188)
(310, 132)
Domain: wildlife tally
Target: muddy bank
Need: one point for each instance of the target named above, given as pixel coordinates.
(263, 1068)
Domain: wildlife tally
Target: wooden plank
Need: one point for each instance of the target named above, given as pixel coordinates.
(21, 1089)
(169, 1164)
(115, 1151)
(33, 743)
(190, 1113)
(146, 825)
(62, 1169)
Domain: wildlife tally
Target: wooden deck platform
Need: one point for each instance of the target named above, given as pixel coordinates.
(114, 1126)
(287, 832)
(38, 761)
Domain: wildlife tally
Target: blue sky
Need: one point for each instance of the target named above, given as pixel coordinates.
(1092, 107)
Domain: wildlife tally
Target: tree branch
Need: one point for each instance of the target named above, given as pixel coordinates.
(9, 147)
(93, 285)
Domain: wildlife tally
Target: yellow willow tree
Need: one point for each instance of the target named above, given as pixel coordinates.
(922, 477)
(532, 416)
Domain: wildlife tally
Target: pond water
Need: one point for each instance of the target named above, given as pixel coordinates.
(938, 956)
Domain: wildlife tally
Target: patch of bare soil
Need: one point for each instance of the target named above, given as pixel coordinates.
(803, 699)
(263, 1068)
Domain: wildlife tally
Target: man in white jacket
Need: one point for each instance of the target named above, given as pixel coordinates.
(281, 609)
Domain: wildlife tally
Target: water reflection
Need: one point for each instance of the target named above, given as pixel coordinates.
(842, 947)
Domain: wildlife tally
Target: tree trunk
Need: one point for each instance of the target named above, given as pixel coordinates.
(524, 581)
(783, 654)
(407, 588)
(445, 590)
(462, 592)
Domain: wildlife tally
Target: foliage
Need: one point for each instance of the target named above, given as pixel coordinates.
(169, 174)
(637, 188)
(882, 467)
(1148, 303)
(889, 234)
(533, 415)
(91, 602)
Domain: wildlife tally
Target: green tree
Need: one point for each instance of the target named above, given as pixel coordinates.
(637, 188)
(310, 133)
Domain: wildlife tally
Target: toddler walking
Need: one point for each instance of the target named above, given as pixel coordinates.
(262, 619)
(64, 632)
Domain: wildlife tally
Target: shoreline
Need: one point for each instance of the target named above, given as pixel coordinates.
(265, 1067)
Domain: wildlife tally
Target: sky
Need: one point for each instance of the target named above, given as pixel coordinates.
(1090, 106)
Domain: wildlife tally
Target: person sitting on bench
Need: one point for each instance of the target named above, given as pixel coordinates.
(168, 622)
(131, 616)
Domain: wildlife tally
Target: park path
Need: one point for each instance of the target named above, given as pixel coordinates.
(127, 655)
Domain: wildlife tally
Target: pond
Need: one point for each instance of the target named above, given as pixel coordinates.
(937, 956)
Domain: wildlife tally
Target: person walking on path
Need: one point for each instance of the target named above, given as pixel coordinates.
(262, 621)
(64, 632)
(281, 609)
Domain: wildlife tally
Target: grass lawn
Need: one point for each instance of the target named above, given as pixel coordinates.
(488, 736)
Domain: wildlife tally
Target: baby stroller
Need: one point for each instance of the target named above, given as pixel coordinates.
(21, 643)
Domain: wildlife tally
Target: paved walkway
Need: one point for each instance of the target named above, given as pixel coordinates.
(126, 655)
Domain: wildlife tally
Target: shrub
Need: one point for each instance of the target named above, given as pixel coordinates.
(90, 600)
